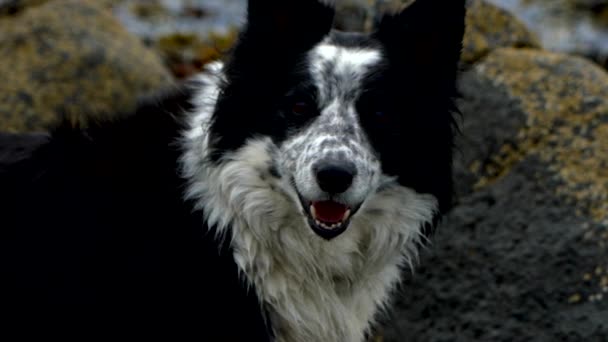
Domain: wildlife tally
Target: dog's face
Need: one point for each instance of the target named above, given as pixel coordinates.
(328, 156)
(344, 117)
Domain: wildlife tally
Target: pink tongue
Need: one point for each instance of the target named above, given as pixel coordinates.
(329, 211)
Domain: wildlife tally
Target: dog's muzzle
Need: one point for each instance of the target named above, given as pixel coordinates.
(329, 218)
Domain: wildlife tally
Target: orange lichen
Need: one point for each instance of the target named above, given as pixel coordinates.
(489, 27)
(565, 99)
(53, 67)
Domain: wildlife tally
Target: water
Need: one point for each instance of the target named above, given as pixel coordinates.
(560, 27)
(217, 16)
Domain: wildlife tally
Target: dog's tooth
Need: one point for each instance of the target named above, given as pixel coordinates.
(346, 215)
(313, 212)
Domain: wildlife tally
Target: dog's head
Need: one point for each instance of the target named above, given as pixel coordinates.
(339, 122)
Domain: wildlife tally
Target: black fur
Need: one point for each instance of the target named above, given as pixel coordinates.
(95, 234)
(94, 231)
(259, 72)
(417, 89)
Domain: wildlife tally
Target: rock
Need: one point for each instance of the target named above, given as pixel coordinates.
(10, 7)
(565, 103)
(571, 26)
(490, 122)
(63, 58)
(186, 34)
(524, 254)
(509, 264)
(490, 27)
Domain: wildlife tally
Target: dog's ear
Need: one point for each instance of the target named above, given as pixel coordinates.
(277, 36)
(293, 24)
(425, 36)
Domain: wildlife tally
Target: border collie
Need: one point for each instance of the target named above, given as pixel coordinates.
(276, 197)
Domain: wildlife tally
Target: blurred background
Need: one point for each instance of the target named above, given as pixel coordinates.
(523, 256)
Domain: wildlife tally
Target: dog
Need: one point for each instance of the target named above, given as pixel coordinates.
(276, 197)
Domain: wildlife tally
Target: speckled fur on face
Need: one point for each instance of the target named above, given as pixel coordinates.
(336, 134)
(314, 289)
(380, 104)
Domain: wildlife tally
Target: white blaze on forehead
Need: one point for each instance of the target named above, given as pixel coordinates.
(341, 67)
(353, 58)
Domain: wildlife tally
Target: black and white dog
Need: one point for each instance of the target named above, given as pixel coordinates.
(278, 197)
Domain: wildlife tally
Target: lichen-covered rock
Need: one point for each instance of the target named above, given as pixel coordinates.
(489, 27)
(9, 7)
(64, 58)
(565, 102)
(524, 254)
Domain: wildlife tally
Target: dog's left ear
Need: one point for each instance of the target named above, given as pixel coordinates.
(425, 36)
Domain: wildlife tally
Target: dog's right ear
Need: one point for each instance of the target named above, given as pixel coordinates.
(425, 37)
(277, 36)
(289, 25)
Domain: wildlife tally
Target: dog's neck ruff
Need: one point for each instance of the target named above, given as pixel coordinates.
(314, 290)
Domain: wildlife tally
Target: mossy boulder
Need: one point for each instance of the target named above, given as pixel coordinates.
(65, 58)
(10, 7)
(524, 254)
(489, 27)
(563, 101)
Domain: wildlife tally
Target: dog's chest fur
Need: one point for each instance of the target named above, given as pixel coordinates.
(314, 290)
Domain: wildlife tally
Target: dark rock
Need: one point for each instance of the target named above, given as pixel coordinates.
(506, 266)
(63, 58)
(491, 121)
(564, 100)
(523, 256)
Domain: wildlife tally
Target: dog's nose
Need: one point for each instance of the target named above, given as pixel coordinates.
(335, 177)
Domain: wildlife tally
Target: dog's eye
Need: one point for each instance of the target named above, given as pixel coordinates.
(302, 108)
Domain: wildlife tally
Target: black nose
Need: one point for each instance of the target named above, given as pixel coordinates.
(335, 177)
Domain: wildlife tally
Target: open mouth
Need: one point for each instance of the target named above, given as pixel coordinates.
(328, 219)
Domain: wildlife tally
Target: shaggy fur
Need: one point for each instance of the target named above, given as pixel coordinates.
(208, 226)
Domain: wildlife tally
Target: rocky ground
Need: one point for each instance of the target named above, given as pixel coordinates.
(523, 256)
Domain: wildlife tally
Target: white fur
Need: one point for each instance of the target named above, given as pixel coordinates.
(351, 65)
(315, 290)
